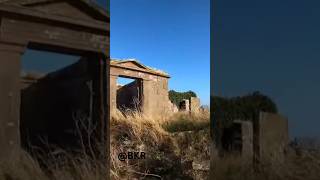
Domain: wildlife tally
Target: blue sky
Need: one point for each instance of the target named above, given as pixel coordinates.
(271, 46)
(170, 35)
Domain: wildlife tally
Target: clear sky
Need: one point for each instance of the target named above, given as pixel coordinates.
(271, 46)
(170, 35)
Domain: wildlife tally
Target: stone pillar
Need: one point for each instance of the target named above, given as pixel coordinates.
(113, 94)
(247, 139)
(147, 99)
(273, 137)
(194, 104)
(10, 63)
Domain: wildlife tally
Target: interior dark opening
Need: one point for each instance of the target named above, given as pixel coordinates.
(129, 94)
(232, 139)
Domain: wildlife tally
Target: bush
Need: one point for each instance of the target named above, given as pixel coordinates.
(177, 97)
(248, 107)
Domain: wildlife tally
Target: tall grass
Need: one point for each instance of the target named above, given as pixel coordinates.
(305, 166)
(169, 156)
(137, 132)
(187, 121)
(65, 167)
(130, 132)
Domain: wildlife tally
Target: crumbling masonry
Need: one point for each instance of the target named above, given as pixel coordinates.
(148, 93)
(263, 140)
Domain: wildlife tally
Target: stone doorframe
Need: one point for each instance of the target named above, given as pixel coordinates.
(25, 26)
(135, 70)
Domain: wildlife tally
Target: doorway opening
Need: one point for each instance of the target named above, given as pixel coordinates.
(129, 94)
(232, 139)
(56, 89)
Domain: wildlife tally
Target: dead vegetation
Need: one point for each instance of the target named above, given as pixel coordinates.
(63, 167)
(168, 156)
(305, 166)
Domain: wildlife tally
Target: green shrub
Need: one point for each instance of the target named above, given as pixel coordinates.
(248, 107)
(177, 97)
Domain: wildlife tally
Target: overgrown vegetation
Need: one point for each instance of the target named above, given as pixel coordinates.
(167, 157)
(246, 108)
(187, 122)
(57, 164)
(166, 154)
(295, 167)
(176, 97)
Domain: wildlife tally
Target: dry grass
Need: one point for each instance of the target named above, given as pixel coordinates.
(187, 122)
(295, 167)
(169, 156)
(165, 158)
(64, 168)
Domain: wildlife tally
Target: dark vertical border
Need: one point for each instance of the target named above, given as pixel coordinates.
(107, 98)
(212, 120)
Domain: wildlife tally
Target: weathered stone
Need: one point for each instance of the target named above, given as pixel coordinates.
(172, 107)
(272, 137)
(149, 90)
(194, 104)
(246, 138)
(263, 140)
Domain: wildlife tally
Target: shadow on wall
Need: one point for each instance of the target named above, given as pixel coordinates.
(129, 96)
(51, 105)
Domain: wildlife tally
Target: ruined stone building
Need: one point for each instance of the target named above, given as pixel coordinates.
(148, 92)
(190, 105)
(265, 139)
(45, 106)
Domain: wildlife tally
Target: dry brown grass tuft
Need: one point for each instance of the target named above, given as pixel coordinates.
(136, 132)
(131, 132)
(295, 167)
(183, 121)
(63, 168)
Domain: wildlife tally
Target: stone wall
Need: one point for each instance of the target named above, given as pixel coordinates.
(272, 137)
(129, 96)
(156, 96)
(246, 138)
(194, 104)
(264, 140)
(172, 107)
(154, 88)
(50, 106)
